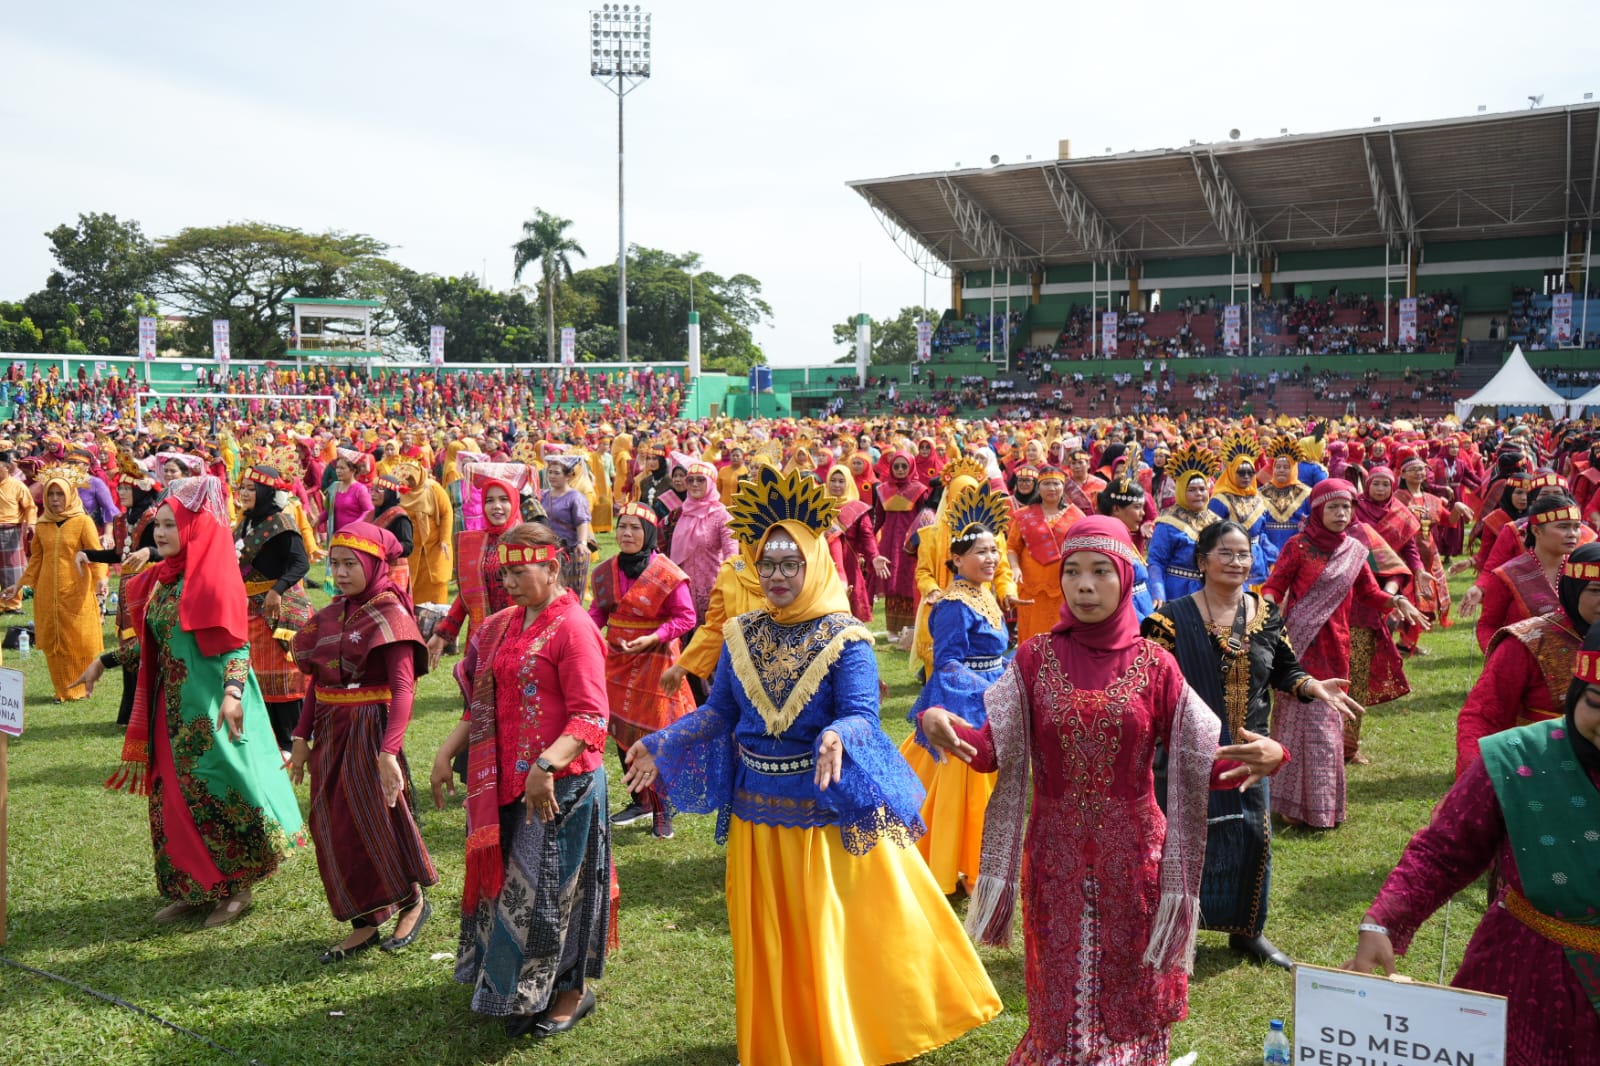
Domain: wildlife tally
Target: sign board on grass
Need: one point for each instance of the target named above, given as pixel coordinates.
(1353, 1019)
(11, 702)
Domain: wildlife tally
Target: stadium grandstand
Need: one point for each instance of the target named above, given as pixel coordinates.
(1101, 284)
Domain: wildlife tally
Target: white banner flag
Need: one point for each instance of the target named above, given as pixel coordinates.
(147, 338)
(436, 345)
(1408, 320)
(569, 345)
(924, 341)
(1230, 326)
(219, 340)
(1108, 334)
(1561, 318)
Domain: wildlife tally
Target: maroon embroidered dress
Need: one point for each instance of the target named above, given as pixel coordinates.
(1093, 876)
(1525, 676)
(363, 661)
(1317, 593)
(859, 546)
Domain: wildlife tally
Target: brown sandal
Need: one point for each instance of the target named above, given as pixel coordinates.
(228, 909)
(173, 912)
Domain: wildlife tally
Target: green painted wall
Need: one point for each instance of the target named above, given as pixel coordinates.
(1333, 259)
(1194, 266)
(1504, 248)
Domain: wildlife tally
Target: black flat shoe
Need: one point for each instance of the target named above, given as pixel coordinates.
(1262, 950)
(333, 955)
(585, 1008)
(520, 1025)
(395, 943)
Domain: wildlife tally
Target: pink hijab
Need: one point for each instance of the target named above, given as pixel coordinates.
(1090, 652)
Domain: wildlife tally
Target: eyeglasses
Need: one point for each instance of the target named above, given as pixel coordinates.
(786, 567)
(1230, 557)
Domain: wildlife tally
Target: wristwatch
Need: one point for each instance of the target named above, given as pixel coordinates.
(546, 765)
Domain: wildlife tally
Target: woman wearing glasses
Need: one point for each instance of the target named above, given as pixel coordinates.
(1232, 649)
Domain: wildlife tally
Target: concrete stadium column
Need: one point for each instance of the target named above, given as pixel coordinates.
(694, 345)
(956, 279)
(1134, 303)
(1037, 281)
(863, 347)
(1267, 267)
(1413, 260)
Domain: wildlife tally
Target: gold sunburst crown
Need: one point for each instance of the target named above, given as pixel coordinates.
(769, 497)
(409, 474)
(978, 505)
(1239, 445)
(1285, 447)
(1191, 458)
(965, 465)
(73, 474)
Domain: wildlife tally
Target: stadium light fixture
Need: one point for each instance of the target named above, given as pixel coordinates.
(1588, 96)
(1482, 108)
(619, 58)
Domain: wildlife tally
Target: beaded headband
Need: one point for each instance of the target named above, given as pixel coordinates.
(1103, 545)
(1560, 514)
(1336, 494)
(525, 554)
(639, 511)
(278, 484)
(780, 544)
(358, 544)
(1052, 474)
(1580, 571)
(1586, 666)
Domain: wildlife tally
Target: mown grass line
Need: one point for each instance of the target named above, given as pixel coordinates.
(82, 896)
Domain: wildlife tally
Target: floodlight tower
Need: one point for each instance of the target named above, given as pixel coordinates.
(619, 58)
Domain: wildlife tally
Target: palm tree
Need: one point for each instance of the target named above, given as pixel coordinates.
(545, 241)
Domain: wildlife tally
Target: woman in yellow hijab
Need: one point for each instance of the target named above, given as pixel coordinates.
(933, 553)
(843, 947)
(66, 615)
(432, 534)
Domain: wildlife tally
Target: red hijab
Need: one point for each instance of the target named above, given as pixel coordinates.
(1090, 652)
(1321, 537)
(212, 605)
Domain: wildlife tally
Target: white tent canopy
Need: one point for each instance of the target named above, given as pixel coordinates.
(1515, 385)
(1576, 407)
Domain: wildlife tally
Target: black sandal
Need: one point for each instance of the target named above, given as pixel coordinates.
(395, 943)
(339, 954)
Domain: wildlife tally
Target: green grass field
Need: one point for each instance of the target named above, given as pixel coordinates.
(82, 897)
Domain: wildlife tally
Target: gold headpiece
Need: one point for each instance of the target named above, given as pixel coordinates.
(769, 497)
(965, 465)
(978, 505)
(409, 474)
(71, 473)
(1239, 445)
(1191, 459)
(1285, 448)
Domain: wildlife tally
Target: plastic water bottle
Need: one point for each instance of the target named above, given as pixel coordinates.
(24, 644)
(1275, 1050)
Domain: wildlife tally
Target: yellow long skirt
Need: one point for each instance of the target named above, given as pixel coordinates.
(844, 960)
(953, 813)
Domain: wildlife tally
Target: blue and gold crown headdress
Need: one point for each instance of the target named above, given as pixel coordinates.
(978, 505)
(965, 465)
(1285, 447)
(767, 498)
(1239, 445)
(1188, 460)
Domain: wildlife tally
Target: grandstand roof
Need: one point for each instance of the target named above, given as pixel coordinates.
(1514, 174)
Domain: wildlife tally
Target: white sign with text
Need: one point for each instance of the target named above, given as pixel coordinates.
(11, 702)
(1352, 1019)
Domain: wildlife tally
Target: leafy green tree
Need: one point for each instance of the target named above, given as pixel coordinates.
(659, 299)
(894, 340)
(104, 267)
(545, 241)
(480, 325)
(244, 271)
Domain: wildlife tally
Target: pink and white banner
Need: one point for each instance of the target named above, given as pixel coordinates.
(1108, 334)
(147, 339)
(1561, 318)
(1230, 326)
(924, 341)
(436, 345)
(569, 346)
(220, 348)
(1408, 320)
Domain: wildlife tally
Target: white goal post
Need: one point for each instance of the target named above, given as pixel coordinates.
(140, 397)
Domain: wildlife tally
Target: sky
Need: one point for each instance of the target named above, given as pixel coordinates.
(438, 128)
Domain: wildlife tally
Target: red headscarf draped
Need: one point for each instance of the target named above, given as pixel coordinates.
(1091, 659)
(1328, 489)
